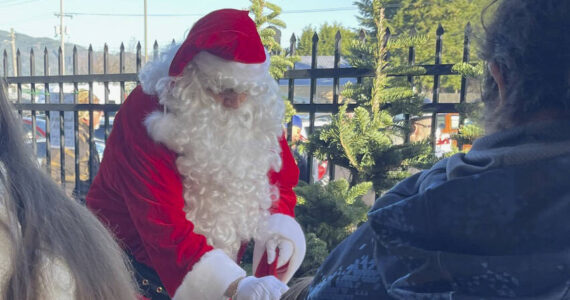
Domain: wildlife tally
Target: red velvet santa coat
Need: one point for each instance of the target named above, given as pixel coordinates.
(138, 193)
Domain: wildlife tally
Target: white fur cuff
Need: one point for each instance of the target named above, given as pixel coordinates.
(288, 228)
(209, 278)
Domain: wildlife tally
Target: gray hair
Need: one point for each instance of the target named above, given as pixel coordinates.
(299, 289)
(528, 40)
(53, 225)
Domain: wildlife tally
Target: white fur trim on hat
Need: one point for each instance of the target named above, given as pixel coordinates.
(213, 66)
(154, 75)
(209, 278)
(284, 227)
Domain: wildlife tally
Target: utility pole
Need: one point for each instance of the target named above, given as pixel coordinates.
(145, 33)
(13, 42)
(61, 34)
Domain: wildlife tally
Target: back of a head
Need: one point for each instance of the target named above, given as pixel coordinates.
(83, 98)
(50, 221)
(529, 41)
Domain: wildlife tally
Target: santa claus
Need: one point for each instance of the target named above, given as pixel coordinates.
(196, 166)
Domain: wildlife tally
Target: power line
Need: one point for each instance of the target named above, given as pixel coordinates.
(299, 11)
(9, 3)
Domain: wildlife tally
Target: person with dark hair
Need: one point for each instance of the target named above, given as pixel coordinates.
(197, 166)
(492, 223)
(50, 246)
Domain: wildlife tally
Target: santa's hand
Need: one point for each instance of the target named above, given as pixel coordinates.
(285, 251)
(264, 288)
(284, 233)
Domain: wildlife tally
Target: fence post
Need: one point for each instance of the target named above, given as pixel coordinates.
(19, 73)
(33, 100)
(106, 87)
(155, 50)
(76, 112)
(91, 125)
(291, 85)
(435, 99)
(139, 58)
(122, 70)
(47, 99)
(5, 63)
(313, 91)
(336, 89)
(411, 62)
(464, 80)
(60, 70)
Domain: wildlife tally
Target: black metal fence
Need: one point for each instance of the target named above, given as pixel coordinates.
(436, 70)
(40, 105)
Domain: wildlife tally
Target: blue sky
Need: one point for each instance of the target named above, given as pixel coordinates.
(36, 18)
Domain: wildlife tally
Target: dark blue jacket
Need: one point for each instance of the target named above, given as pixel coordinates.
(492, 224)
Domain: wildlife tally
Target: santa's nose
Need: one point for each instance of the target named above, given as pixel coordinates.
(232, 99)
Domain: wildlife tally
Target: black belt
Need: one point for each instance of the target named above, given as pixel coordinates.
(148, 281)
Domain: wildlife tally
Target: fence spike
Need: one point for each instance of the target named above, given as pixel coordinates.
(5, 63)
(75, 60)
(32, 63)
(139, 57)
(18, 63)
(46, 62)
(90, 59)
(105, 58)
(468, 28)
(439, 30)
(155, 50)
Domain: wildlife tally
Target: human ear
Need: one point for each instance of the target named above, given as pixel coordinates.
(499, 79)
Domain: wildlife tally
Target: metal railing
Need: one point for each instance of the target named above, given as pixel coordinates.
(121, 78)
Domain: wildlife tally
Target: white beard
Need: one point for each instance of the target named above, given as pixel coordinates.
(224, 156)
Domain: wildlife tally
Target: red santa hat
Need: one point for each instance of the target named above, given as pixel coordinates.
(229, 34)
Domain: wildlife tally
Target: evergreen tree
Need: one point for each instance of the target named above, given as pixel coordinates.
(280, 62)
(326, 35)
(421, 17)
(344, 212)
(264, 22)
(367, 142)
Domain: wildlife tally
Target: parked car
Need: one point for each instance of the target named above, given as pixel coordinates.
(40, 135)
(41, 140)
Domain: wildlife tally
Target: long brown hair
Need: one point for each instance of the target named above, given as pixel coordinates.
(52, 225)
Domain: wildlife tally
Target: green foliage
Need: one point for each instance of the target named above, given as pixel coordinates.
(289, 112)
(468, 70)
(327, 39)
(317, 251)
(421, 18)
(279, 62)
(324, 231)
(265, 23)
(366, 18)
(468, 133)
(366, 141)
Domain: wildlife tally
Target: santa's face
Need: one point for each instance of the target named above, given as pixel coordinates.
(229, 98)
